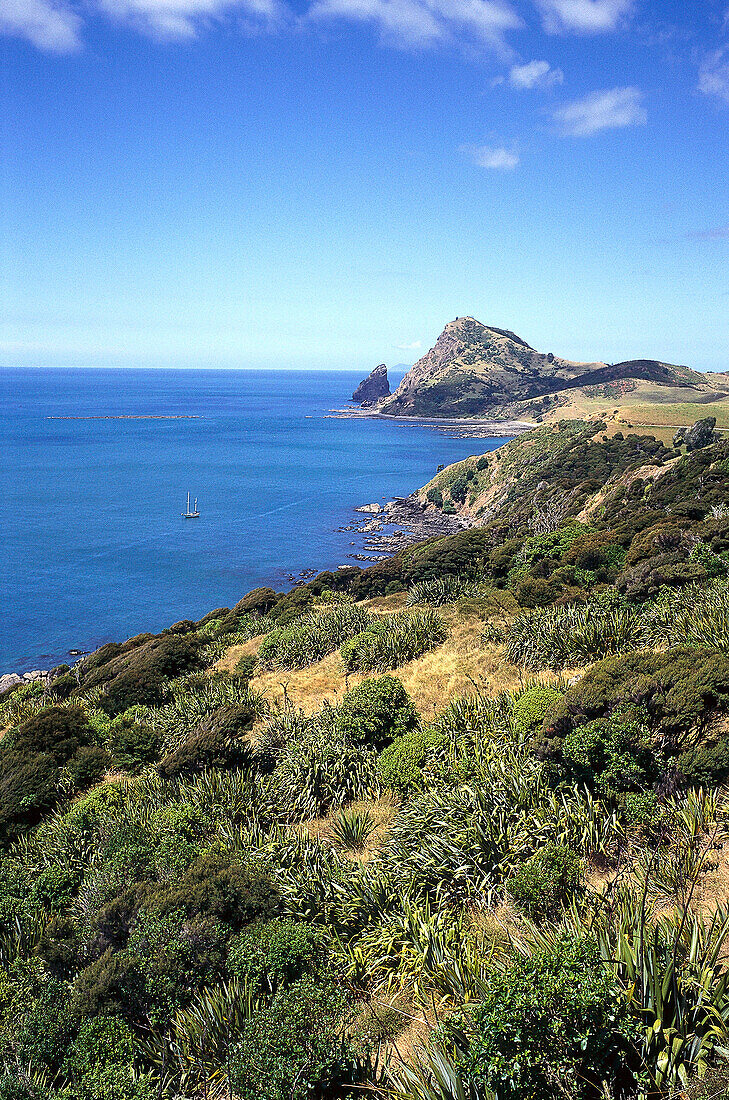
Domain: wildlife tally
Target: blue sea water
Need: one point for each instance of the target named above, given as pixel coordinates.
(92, 544)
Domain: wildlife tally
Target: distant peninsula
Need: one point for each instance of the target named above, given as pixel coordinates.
(476, 370)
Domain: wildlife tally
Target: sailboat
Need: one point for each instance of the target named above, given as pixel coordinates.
(191, 513)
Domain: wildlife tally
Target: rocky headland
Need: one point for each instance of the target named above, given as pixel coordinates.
(373, 388)
(479, 371)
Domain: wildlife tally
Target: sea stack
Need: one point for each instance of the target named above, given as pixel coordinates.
(373, 387)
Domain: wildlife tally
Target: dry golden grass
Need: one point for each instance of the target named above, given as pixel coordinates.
(231, 656)
(460, 666)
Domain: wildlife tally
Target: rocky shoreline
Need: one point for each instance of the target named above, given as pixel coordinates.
(401, 522)
(461, 427)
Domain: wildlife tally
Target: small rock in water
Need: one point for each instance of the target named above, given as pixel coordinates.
(371, 509)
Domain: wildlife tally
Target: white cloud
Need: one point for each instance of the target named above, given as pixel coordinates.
(418, 23)
(495, 157)
(410, 347)
(183, 18)
(52, 25)
(535, 74)
(714, 74)
(583, 16)
(48, 25)
(718, 233)
(471, 25)
(608, 110)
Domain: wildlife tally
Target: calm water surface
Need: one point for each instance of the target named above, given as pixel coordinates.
(92, 544)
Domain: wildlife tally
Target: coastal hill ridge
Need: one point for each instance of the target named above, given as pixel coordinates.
(480, 370)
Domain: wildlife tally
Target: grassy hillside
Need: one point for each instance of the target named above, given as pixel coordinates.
(452, 826)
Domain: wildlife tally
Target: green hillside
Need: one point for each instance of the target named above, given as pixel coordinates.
(451, 827)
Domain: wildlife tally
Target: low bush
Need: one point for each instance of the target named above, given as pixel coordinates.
(376, 712)
(100, 1063)
(218, 743)
(32, 759)
(400, 766)
(296, 1048)
(550, 1024)
(546, 881)
(270, 955)
(532, 706)
(138, 671)
(611, 754)
(133, 744)
(680, 690)
(704, 766)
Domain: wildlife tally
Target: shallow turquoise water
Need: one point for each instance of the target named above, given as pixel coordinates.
(92, 544)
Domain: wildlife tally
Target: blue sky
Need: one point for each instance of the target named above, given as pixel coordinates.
(325, 183)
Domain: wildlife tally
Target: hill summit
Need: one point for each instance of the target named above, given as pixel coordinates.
(479, 370)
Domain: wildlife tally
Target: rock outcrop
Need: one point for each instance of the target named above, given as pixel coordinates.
(699, 435)
(478, 370)
(374, 387)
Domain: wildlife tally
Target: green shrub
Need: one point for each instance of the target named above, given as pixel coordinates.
(641, 810)
(534, 592)
(549, 1025)
(612, 753)
(296, 1048)
(273, 954)
(218, 743)
(679, 690)
(220, 886)
(705, 765)
(32, 758)
(546, 881)
(133, 744)
(37, 1023)
(57, 731)
(20, 1083)
(400, 765)
(376, 712)
(245, 667)
(260, 600)
(100, 1061)
(532, 706)
(435, 496)
(88, 766)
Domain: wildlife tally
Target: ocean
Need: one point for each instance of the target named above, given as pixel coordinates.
(93, 547)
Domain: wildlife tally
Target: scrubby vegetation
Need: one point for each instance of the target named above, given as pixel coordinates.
(209, 890)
